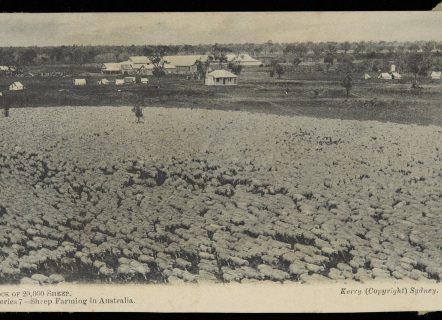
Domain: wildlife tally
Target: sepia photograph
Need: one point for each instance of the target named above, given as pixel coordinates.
(220, 148)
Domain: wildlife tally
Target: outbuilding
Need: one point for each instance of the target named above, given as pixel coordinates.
(103, 82)
(436, 75)
(385, 76)
(16, 86)
(111, 68)
(221, 78)
(144, 80)
(119, 82)
(79, 82)
(243, 59)
(129, 79)
(367, 76)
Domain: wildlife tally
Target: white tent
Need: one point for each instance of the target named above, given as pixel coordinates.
(367, 76)
(79, 82)
(396, 75)
(385, 76)
(16, 86)
(436, 75)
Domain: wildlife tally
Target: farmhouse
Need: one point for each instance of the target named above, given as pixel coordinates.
(221, 78)
(435, 75)
(183, 64)
(79, 82)
(16, 86)
(111, 68)
(244, 60)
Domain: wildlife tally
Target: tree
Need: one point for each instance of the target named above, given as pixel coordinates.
(347, 64)
(360, 47)
(279, 70)
(429, 46)
(345, 46)
(28, 56)
(235, 67)
(414, 47)
(419, 64)
(56, 54)
(329, 60)
(156, 58)
(202, 67)
(297, 51)
(219, 54)
(296, 61)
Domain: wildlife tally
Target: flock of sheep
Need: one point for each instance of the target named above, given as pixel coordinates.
(197, 195)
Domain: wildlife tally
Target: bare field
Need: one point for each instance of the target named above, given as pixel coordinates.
(222, 196)
(319, 95)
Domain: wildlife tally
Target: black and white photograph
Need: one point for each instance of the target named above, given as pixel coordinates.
(219, 148)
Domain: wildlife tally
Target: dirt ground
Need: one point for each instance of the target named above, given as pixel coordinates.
(315, 95)
(208, 195)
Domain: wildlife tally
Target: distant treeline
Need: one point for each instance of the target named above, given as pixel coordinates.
(27, 56)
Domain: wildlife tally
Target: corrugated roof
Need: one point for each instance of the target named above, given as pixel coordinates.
(112, 66)
(222, 74)
(242, 57)
(139, 59)
(185, 60)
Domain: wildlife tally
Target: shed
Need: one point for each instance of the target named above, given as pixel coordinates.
(244, 59)
(144, 80)
(139, 60)
(79, 82)
(16, 86)
(435, 75)
(385, 76)
(111, 68)
(221, 78)
(103, 82)
(130, 79)
(183, 64)
(119, 82)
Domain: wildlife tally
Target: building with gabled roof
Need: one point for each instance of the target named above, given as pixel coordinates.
(221, 78)
(139, 60)
(16, 86)
(111, 68)
(243, 59)
(184, 64)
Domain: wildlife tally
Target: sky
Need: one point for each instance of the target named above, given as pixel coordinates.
(52, 29)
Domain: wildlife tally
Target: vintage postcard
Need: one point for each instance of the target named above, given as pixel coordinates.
(283, 162)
